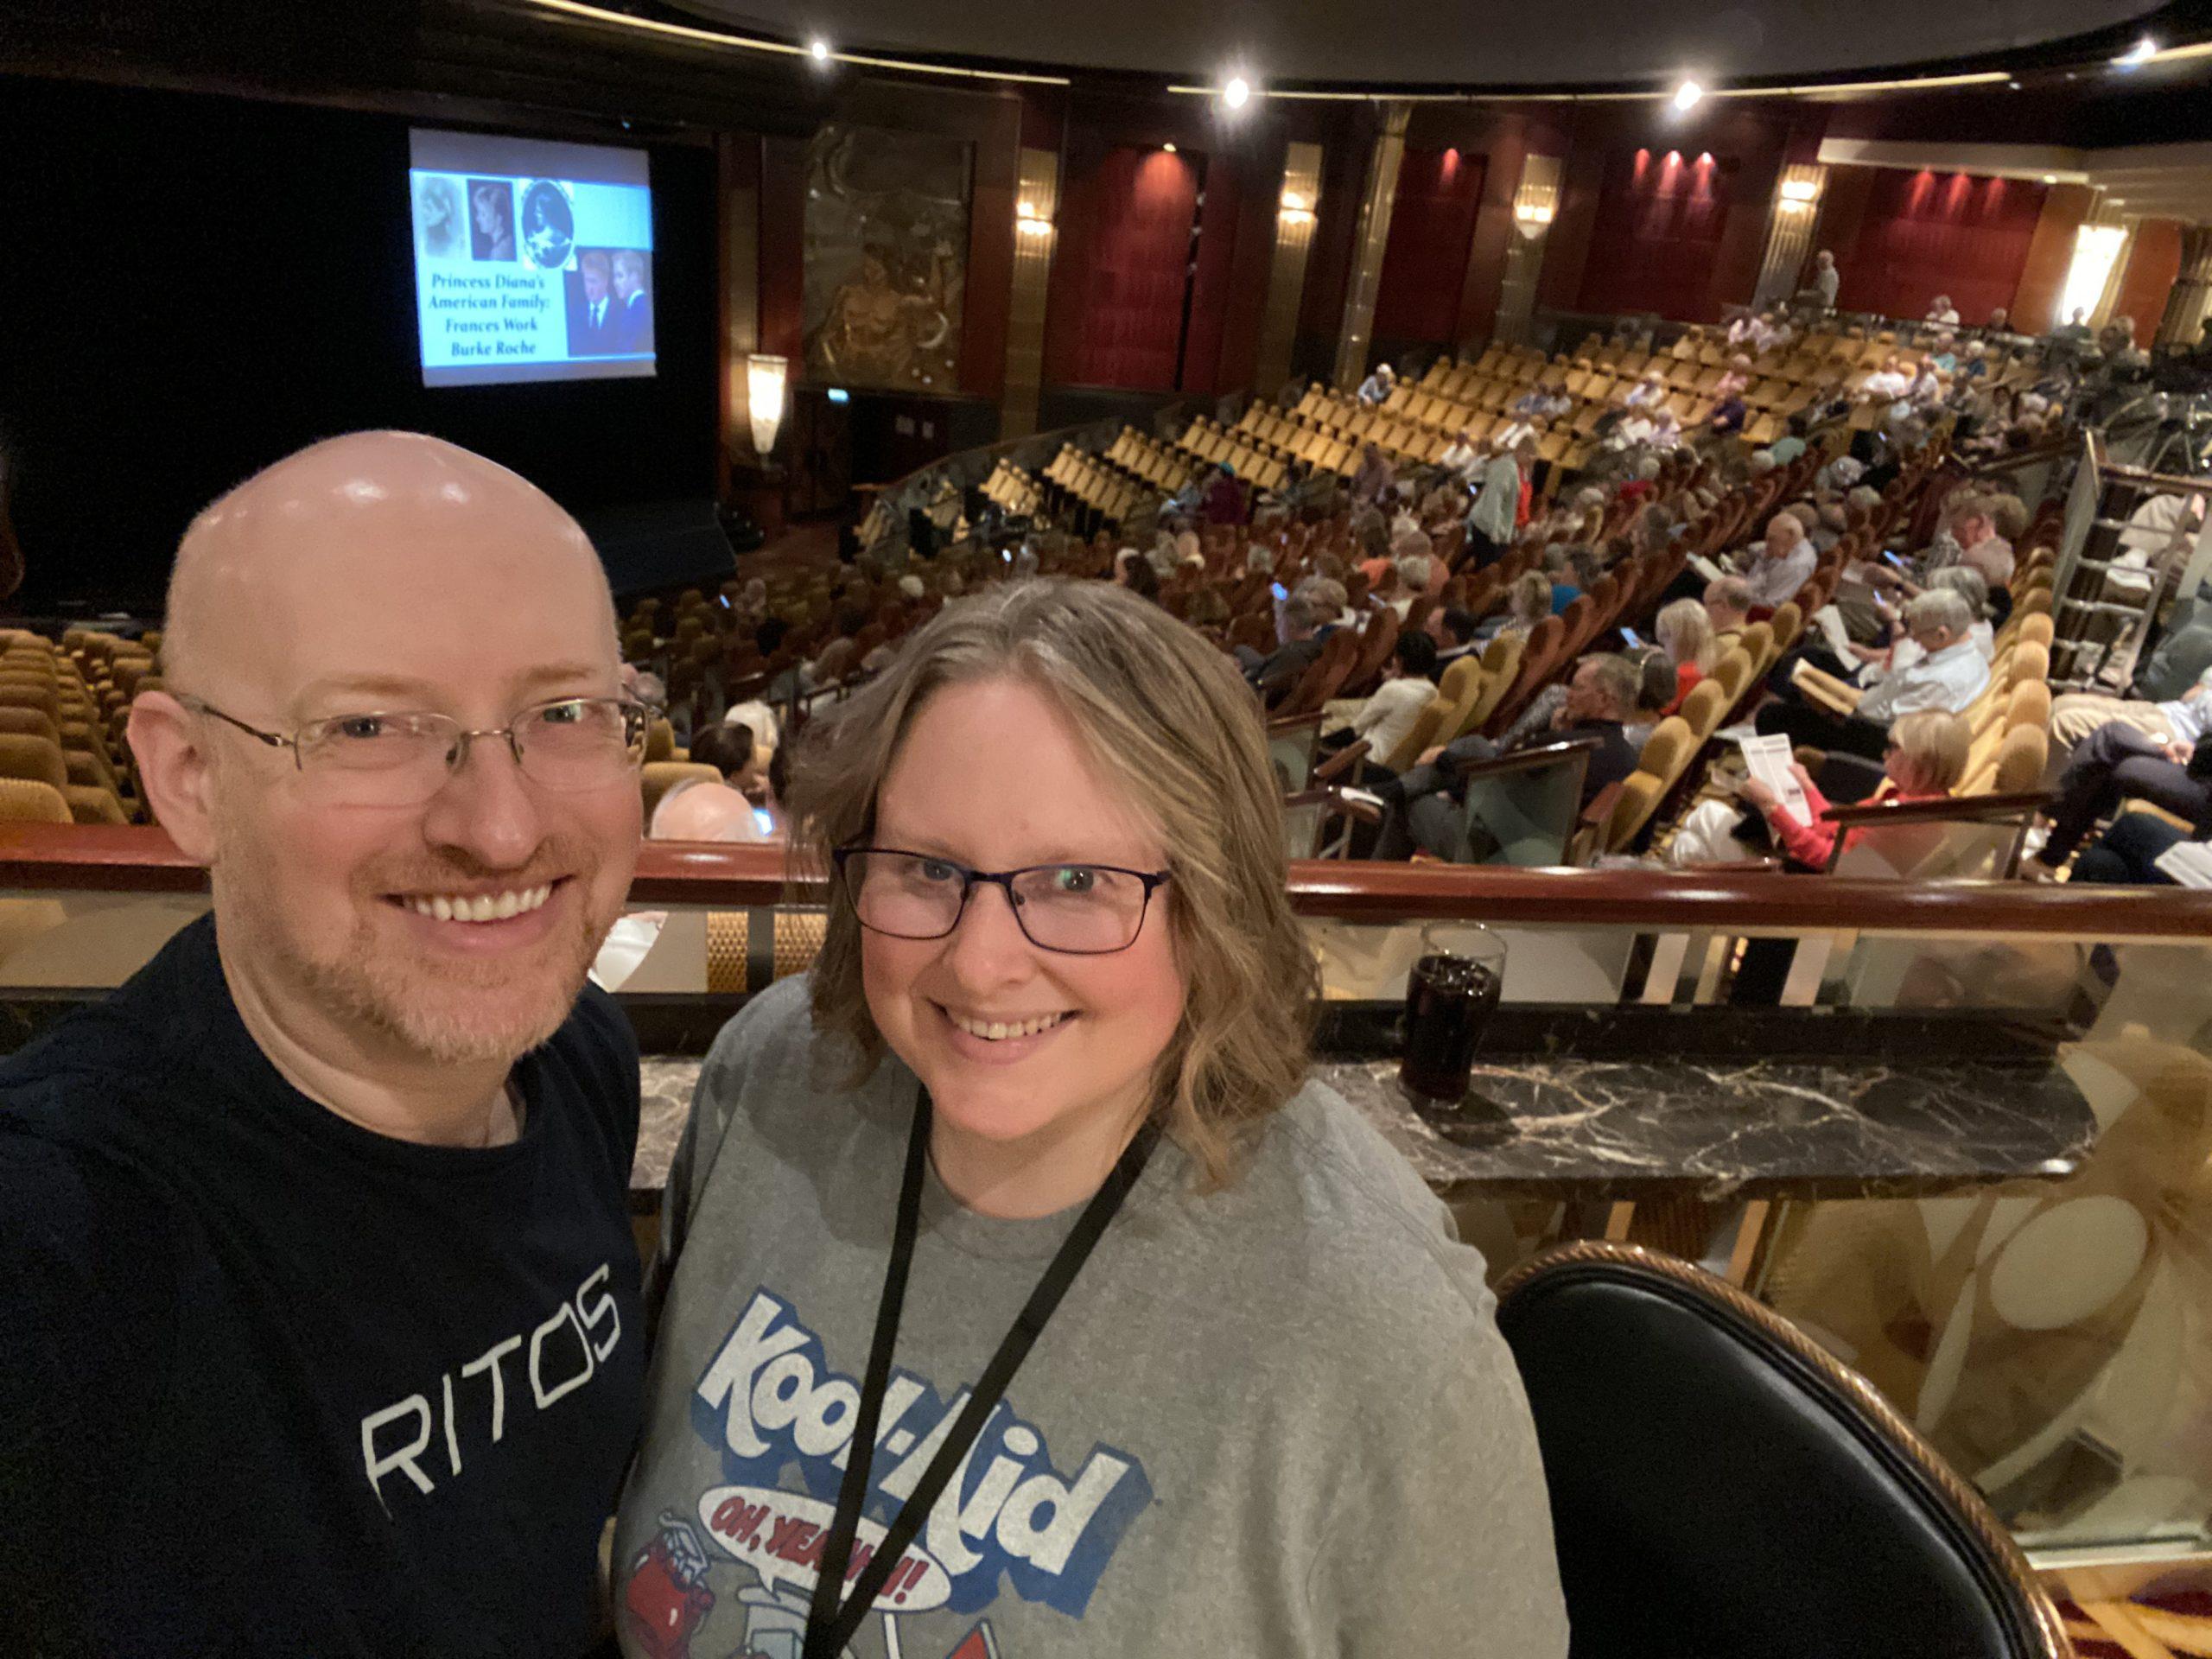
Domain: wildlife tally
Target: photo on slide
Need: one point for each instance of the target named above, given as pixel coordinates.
(438, 219)
(610, 303)
(549, 224)
(491, 220)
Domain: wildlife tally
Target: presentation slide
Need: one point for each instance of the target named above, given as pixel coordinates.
(533, 261)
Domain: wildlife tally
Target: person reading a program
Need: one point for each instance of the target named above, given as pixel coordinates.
(1027, 1179)
(320, 1331)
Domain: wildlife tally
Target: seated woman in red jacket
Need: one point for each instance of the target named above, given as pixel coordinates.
(1926, 759)
(1685, 629)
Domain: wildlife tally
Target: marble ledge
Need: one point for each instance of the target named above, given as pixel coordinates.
(1578, 1130)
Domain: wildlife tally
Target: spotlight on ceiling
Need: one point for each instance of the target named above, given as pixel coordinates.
(1686, 95)
(2142, 52)
(818, 50)
(1170, 149)
(1236, 91)
(2050, 178)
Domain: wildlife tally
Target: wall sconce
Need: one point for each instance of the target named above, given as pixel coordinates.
(1799, 193)
(1295, 209)
(1532, 219)
(764, 398)
(1029, 221)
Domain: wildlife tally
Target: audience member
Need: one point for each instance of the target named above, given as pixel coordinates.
(1224, 498)
(1827, 281)
(1276, 677)
(1413, 571)
(696, 809)
(1527, 602)
(1684, 630)
(1425, 807)
(2115, 762)
(1947, 677)
(1925, 761)
(2128, 852)
(1780, 563)
(1387, 715)
(2076, 716)
(1374, 390)
(1453, 627)
(1374, 473)
(1727, 602)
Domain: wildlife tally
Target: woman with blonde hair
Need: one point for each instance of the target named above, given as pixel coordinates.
(1684, 631)
(1013, 1253)
(1927, 757)
(1527, 602)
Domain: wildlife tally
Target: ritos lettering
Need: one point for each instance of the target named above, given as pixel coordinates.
(553, 1359)
(770, 1400)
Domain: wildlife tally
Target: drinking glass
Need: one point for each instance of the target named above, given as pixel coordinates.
(1450, 996)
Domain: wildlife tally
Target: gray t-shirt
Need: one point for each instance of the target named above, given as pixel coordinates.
(1275, 1420)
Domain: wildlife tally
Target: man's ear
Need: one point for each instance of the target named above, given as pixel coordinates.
(175, 772)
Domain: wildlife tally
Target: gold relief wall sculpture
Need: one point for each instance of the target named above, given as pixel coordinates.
(886, 258)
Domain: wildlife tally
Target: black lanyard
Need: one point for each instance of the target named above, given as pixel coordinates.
(828, 1624)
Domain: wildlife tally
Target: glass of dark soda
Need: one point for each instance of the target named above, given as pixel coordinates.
(1450, 994)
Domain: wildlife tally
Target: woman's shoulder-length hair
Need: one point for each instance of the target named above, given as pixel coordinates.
(1163, 716)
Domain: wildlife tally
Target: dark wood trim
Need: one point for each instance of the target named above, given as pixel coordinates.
(1967, 809)
(88, 858)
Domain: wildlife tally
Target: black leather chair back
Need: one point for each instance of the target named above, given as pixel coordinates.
(1723, 1489)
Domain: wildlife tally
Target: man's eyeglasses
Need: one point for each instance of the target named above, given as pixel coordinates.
(402, 759)
(1078, 910)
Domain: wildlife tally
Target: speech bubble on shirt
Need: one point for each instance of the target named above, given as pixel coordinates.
(780, 1536)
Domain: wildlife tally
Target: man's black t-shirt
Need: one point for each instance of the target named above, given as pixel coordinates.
(271, 1384)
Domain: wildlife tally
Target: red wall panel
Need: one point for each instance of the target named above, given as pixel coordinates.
(1119, 276)
(1658, 230)
(1425, 262)
(1218, 216)
(1916, 235)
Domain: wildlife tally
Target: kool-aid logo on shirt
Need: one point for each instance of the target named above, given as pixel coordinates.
(770, 1400)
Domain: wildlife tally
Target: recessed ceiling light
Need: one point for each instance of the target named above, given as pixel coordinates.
(2142, 52)
(819, 51)
(1688, 94)
(1170, 149)
(1236, 91)
(2050, 178)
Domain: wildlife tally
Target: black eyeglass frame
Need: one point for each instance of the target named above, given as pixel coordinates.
(638, 717)
(1002, 880)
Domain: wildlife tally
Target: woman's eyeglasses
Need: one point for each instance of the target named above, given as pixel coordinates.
(1082, 910)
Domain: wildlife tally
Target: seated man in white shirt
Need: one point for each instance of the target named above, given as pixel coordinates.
(1375, 389)
(1949, 676)
(1385, 717)
(1781, 563)
(1461, 456)
(1887, 384)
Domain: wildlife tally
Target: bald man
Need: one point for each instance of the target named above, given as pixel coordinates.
(320, 1329)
